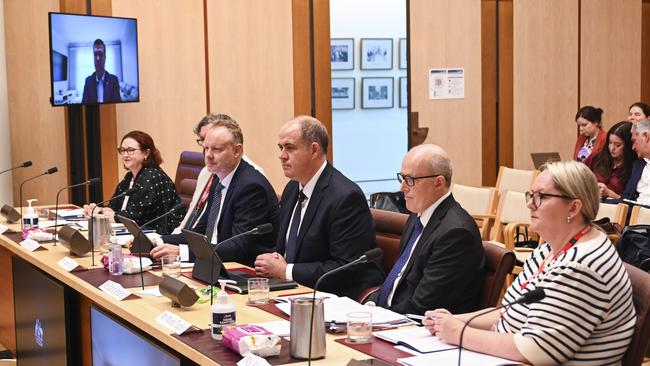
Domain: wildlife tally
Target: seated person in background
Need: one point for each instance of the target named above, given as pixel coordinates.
(232, 199)
(613, 164)
(155, 192)
(587, 316)
(325, 221)
(638, 111)
(441, 262)
(101, 87)
(592, 137)
(638, 186)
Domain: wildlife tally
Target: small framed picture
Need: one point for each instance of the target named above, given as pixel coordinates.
(342, 53)
(376, 53)
(403, 62)
(343, 93)
(376, 93)
(403, 92)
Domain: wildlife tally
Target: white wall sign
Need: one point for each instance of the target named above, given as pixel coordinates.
(447, 83)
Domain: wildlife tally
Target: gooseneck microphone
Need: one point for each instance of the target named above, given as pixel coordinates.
(56, 206)
(527, 298)
(369, 256)
(178, 207)
(26, 164)
(258, 230)
(128, 192)
(52, 170)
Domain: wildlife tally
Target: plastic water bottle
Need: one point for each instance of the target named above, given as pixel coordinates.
(115, 257)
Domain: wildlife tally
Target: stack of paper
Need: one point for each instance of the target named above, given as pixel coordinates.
(337, 308)
(416, 338)
(450, 357)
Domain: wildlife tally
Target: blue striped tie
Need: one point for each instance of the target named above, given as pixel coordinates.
(214, 212)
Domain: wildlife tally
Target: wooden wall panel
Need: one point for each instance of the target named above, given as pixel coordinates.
(452, 40)
(489, 126)
(251, 73)
(37, 129)
(545, 74)
(610, 56)
(645, 52)
(172, 77)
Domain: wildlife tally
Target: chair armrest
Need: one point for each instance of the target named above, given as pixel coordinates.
(483, 216)
(509, 232)
(365, 294)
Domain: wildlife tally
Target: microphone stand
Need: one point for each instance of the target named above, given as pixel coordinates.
(49, 171)
(26, 164)
(56, 206)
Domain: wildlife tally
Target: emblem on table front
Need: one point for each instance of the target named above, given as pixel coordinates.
(38, 333)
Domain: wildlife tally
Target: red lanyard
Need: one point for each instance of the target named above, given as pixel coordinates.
(564, 249)
(206, 193)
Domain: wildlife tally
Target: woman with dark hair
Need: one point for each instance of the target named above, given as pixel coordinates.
(155, 192)
(612, 165)
(638, 111)
(592, 137)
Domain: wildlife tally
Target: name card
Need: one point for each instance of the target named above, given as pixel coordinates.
(3, 229)
(115, 289)
(30, 244)
(253, 360)
(173, 322)
(68, 264)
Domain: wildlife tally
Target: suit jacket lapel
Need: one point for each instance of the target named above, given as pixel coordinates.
(312, 205)
(290, 198)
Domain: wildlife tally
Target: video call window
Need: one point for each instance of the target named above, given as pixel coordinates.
(93, 60)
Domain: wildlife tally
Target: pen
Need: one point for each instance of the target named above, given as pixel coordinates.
(415, 316)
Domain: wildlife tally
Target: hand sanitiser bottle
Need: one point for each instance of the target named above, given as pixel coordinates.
(30, 219)
(223, 311)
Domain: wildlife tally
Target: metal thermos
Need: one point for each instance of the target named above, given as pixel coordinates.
(100, 232)
(300, 317)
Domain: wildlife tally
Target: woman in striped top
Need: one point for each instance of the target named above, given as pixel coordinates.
(587, 316)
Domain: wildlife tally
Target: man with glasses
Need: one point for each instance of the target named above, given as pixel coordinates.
(441, 262)
(232, 198)
(325, 221)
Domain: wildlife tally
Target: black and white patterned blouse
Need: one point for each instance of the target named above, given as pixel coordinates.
(155, 195)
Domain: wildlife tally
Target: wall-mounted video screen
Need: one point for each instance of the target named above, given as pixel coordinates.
(93, 59)
(41, 325)
(113, 343)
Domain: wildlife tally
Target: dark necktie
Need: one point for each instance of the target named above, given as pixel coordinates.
(399, 264)
(214, 212)
(292, 240)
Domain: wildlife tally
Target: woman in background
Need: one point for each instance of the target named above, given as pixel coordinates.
(592, 137)
(587, 316)
(155, 192)
(613, 164)
(638, 111)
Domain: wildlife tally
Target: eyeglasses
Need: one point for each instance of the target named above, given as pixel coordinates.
(536, 197)
(199, 142)
(127, 151)
(410, 181)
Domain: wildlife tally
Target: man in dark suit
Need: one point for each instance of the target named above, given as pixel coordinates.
(441, 262)
(233, 199)
(101, 87)
(638, 186)
(324, 217)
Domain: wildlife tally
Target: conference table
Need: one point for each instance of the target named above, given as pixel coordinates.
(141, 311)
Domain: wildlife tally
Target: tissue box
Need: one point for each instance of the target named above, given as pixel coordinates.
(245, 339)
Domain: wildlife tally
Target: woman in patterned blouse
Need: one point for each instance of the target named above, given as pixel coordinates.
(155, 192)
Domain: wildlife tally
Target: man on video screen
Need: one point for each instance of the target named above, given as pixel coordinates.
(101, 87)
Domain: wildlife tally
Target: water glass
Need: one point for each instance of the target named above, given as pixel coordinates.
(258, 291)
(171, 265)
(359, 327)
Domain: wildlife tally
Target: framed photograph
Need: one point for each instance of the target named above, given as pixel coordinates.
(376, 53)
(342, 53)
(376, 93)
(343, 93)
(403, 64)
(403, 92)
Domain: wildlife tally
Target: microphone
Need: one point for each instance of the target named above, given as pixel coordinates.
(52, 170)
(128, 192)
(258, 230)
(26, 164)
(178, 207)
(56, 206)
(527, 298)
(369, 256)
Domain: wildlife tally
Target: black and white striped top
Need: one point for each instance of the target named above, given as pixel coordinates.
(587, 316)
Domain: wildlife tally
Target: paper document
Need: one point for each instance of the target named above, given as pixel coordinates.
(77, 212)
(336, 310)
(450, 357)
(416, 338)
(280, 327)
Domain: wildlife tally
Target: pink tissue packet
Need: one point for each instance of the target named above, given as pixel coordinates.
(254, 339)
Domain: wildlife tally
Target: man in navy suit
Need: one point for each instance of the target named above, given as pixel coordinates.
(441, 262)
(101, 87)
(324, 217)
(638, 186)
(233, 199)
